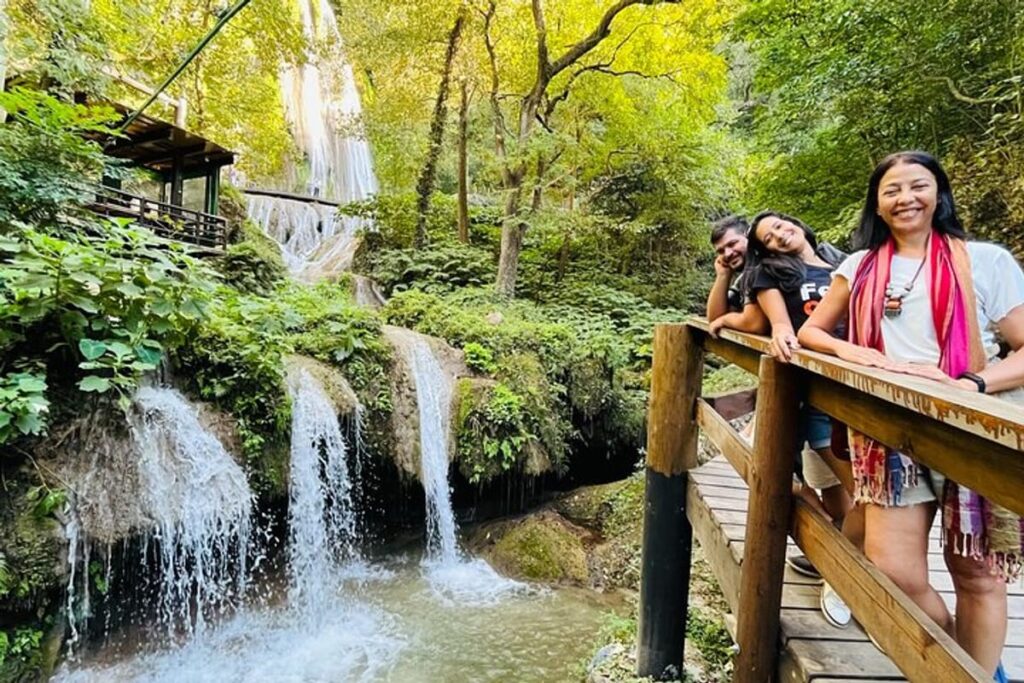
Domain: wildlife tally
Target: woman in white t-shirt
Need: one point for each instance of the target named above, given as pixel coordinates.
(922, 300)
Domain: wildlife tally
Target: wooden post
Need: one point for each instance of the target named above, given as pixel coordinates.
(768, 514)
(671, 453)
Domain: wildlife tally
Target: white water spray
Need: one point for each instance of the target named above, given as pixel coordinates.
(321, 519)
(200, 506)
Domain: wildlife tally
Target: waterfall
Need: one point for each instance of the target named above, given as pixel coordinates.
(171, 482)
(324, 113)
(434, 396)
(321, 518)
(200, 505)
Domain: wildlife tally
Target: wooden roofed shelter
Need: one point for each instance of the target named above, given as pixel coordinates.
(175, 156)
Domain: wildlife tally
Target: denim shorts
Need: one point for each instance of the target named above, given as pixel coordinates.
(815, 428)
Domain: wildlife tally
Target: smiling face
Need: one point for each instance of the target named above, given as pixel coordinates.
(907, 197)
(732, 248)
(781, 236)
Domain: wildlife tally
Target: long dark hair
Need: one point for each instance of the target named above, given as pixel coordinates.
(786, 269)
(872, 231)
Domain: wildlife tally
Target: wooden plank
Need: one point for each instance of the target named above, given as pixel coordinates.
(716, 491)
(735, 449)
(848, 661)
(770, 480)
(715, 546)
(923, 651)
(720, 503)
(720, 480)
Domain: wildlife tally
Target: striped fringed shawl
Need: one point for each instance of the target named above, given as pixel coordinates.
(972, 526)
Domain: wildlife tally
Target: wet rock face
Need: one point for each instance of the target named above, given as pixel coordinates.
(333, 381)
(405, 421)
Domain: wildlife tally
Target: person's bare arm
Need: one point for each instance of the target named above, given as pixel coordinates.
(751, 319)
(718, 297)
(816, 333)
(1007, 374)
(784, 340)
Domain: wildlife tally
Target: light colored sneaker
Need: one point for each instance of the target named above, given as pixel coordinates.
(833, 608)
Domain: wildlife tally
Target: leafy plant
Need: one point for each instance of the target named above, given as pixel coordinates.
(480, 358)
(114, 300)
(47, 150)
(23, 404)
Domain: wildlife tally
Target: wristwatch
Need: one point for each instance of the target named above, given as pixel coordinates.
(974, 378)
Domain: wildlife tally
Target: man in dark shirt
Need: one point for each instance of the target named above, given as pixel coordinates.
(730, 302)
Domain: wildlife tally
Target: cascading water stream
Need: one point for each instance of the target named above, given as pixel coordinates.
(192, 503)
(321, 518)
(317, 242)
(434, 396)
(454, 578)
(201, 506)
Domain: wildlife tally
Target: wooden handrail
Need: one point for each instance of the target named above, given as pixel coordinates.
(167, 220)
(893, 408)
(975, 440)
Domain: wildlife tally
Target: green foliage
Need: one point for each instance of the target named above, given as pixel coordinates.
(47, 149)
(494, 431)
(254, 264)
(20, 653)
(23, 404)
(58, 43)
(838, 84)
(480, 358)
(114, 301)
(728, 378)
(711, 638)
(437, 268)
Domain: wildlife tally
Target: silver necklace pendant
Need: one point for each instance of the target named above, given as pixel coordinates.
(893, 306)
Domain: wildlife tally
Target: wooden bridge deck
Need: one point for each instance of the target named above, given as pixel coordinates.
(812, 650)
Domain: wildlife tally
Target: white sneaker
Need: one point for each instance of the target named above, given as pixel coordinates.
(833, 608)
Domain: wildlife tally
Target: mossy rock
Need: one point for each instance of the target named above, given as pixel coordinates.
(589, 505)
(544, 548)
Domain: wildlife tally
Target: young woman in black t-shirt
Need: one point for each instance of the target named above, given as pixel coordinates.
(790, 273)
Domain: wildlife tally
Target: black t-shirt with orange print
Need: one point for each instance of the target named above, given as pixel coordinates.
(800, 302)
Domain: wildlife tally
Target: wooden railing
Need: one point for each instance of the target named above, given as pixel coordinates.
(975, 440)
(166, 220)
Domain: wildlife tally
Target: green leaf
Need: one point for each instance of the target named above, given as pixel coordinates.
(129, 289)
(29, 423)
(31, 385)
(148, 355)
(119, 349)
(91, 349)
(94, 383)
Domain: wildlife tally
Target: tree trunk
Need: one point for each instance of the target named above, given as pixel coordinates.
(463, 165)
(3, 53)
(428, 175)
(538, 186)
(512, 229)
